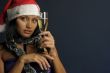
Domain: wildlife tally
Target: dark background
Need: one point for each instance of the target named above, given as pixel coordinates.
(81, 30)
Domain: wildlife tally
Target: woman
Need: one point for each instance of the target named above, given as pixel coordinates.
(26, 49)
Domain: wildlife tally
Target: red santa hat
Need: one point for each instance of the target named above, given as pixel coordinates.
(16, 8)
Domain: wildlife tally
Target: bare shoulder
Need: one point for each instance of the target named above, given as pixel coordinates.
(4, 54)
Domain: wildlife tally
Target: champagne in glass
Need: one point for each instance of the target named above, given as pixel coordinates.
(43, 22)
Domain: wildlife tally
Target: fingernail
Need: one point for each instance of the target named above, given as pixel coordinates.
(42, 68)
(46, 68)
(52, 58)
(49, 66)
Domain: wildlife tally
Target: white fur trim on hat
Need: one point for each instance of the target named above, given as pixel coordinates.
(26, 9)
(2, 27)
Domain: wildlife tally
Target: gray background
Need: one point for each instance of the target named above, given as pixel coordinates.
(81, 30)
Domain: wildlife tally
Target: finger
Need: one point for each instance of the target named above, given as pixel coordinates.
(40, 64)
(43, 63)
(47, 39)
(46, 33)
(47, 65)
(48, 45)
(38, 60)
(49, 57)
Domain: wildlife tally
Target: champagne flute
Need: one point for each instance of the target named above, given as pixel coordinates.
(43, 25)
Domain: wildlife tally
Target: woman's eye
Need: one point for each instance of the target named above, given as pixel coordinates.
(35, 21)
(23, 18)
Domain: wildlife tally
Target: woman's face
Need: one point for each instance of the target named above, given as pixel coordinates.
(26, 25)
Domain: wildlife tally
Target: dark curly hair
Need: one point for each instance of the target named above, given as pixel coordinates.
(12, 33)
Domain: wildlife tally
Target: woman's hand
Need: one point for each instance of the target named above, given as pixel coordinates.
(47, 41)
(40, 59)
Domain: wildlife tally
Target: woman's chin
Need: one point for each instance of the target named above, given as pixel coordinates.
(26, 36)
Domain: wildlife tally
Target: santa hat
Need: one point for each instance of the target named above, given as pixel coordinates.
(16, 8)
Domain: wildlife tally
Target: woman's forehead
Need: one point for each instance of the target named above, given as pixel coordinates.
(30, 16)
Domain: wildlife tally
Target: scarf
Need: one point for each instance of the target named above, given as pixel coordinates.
(11, 45)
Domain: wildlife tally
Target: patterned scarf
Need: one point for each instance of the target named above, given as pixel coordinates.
(11, 45)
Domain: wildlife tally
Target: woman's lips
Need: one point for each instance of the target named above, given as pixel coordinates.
(28, 31)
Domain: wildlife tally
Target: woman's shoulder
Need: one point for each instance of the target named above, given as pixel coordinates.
(4, 54)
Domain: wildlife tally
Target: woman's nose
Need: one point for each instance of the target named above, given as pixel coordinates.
(29, 24)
